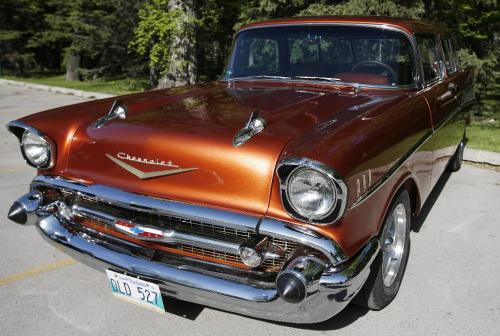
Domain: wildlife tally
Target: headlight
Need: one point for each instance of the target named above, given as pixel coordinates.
(311, 193)
(36, 149)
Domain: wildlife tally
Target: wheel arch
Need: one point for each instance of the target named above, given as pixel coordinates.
(408, 182)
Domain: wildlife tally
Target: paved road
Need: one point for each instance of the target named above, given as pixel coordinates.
(450, 287)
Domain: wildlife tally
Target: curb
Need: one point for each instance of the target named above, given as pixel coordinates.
(481, 156)
(57, 89)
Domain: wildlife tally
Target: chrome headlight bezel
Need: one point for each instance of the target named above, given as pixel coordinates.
(286, 169)
(20, 130)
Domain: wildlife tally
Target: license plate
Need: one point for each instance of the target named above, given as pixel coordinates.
(145, 293)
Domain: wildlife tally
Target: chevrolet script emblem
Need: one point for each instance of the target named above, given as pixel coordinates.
(147, 175)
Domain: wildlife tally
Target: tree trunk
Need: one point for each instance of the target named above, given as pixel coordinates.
(182, 66)
(73, 67)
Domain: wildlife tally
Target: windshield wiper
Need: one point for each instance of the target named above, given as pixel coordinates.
(328, 79)
(262, 76)
(354, 87)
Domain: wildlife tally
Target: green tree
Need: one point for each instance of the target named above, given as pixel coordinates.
(19, 20)
(93, 31)
(410, 9)
(184, 41)
(165, 34)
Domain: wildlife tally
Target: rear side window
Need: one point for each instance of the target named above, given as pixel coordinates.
(449, 56)
(430, 55)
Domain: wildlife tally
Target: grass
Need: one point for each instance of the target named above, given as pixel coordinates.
(484, 137)
(118, 86)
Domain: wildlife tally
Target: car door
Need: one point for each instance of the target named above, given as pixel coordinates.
(443, 96)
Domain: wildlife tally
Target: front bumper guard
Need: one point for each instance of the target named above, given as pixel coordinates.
(328, 296)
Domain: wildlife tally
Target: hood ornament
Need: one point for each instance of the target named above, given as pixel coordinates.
(254, 126)
(118, 110)
(146, 175)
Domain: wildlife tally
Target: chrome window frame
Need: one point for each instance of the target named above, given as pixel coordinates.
(440, 55)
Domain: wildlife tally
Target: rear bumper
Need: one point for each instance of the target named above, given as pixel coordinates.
(328, 296)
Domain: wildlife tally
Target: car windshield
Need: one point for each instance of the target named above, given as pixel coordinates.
(361, 55)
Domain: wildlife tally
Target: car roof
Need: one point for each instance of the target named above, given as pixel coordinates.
(411, 26)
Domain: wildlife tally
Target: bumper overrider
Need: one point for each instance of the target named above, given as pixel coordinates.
(308, 287)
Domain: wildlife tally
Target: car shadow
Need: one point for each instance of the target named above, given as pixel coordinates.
(418, 221)
(184, 309)
(346, 317)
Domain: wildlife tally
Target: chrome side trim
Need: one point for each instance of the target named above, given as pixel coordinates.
(333, 291)
(149, 204)
(169, 236)
(15, 127)
(338, 208)
(277, 228)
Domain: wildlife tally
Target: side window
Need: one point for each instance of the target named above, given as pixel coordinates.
(431, 58)
(258, 56)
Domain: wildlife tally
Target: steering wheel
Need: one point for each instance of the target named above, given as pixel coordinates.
(390, 70)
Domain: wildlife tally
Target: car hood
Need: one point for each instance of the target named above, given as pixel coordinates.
(178, 144)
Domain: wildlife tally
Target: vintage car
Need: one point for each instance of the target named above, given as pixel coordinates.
(282, 191)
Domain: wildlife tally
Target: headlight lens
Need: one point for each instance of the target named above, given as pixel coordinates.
(36, 149)
(311, 193)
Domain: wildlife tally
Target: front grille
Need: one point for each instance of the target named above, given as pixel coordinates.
(169, 222)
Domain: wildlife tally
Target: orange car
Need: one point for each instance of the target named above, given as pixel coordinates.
(282, 191)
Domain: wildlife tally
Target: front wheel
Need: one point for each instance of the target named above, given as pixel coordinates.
(388, 268)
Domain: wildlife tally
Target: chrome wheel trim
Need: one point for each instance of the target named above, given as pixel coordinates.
(394, 244)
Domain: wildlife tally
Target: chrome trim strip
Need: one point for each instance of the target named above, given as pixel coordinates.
(340, 188)
(417, 76)
(304, 236)
(169, 236)
(143, 203)
(13, 125)
(333, 291)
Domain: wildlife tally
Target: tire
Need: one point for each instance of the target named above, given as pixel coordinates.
(385, 278)
(455, 162)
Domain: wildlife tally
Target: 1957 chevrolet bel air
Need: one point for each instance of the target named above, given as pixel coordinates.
(282, 191)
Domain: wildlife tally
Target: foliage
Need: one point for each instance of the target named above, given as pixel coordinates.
(366, 7)
(18, 21)
(158, 26)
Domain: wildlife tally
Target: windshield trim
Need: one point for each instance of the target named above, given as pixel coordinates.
(417, 75)
(333, 83)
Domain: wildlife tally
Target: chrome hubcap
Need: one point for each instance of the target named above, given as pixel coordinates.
(394, 245)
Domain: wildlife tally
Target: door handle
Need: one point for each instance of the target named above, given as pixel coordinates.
(453, 87)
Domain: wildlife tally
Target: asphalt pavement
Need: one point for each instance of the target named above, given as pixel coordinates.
(450, 287)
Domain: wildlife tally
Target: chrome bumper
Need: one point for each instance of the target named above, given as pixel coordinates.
(332, 293)
(323, 290)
